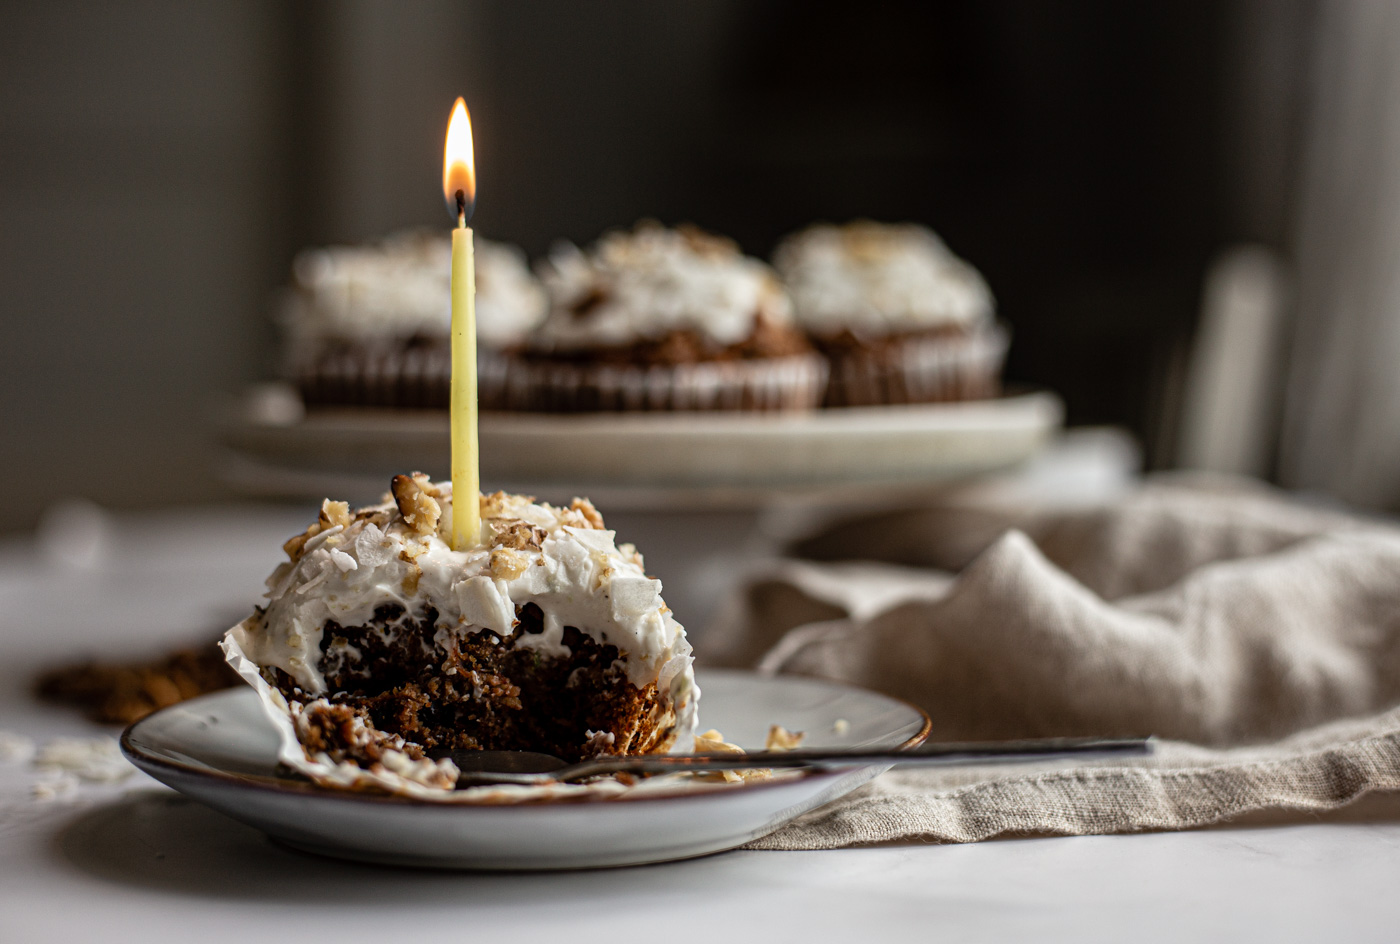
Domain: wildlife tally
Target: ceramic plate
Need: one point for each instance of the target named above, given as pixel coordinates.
(286, 452)
(221, 750)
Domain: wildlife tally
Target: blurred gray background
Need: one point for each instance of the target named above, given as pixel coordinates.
(161, 163)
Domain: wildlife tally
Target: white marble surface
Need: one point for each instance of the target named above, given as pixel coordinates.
(155, 867)
(136, 862)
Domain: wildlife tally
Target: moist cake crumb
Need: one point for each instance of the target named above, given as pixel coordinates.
(438, 694)
(781, 739)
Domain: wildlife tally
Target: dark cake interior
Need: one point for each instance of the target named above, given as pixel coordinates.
(480, 693)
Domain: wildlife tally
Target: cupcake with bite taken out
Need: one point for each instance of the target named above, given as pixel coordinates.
(381, 651)
(370, 325)
(663, 319)
(899, 317)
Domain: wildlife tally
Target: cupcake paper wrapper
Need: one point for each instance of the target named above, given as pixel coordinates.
(771, 385)
(920, 370)
(320, 769)
(405, 378)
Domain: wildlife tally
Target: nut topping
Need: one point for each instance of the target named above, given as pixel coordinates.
(518, 535)
(419, 508)
(589, 515)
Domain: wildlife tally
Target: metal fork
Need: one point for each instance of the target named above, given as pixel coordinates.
(483, 768)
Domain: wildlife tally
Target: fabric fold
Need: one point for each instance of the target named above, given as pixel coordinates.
(1224, 619)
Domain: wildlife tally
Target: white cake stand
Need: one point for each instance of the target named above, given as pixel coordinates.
(639, 459)
(688, 489)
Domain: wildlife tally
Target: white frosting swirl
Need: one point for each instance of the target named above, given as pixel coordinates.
(574, 572)
(879, 279)
(403, 287)
(645, 284)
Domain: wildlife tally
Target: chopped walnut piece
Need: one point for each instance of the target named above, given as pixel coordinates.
(375, 516)
(590, 514)
(517, 534)
(781, 739)
(419, 508)
(507, 564)
(504, 505)
(297, 542)
(334, 513)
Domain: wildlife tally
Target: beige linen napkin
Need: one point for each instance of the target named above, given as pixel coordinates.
(1234, 622)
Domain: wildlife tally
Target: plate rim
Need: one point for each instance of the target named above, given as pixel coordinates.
(295, 788)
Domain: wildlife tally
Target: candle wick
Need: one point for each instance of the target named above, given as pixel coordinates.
(461, 209)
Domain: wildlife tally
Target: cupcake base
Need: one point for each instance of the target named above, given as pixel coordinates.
(915, 368)
(415, 375)
(776, 384)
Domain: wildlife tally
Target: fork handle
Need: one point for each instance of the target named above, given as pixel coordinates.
(925, 755)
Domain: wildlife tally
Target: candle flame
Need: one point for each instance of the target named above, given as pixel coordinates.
(459, 165)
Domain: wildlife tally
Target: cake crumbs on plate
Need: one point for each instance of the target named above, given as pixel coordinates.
(713, 742)
(781, 739)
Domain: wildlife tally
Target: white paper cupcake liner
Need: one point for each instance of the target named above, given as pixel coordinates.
(320, 768)
(766, 385)
(417, 377)
(920, 370)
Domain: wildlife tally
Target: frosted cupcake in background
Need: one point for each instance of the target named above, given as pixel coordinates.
(369, 325)
(664, 319)
(900, 318)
